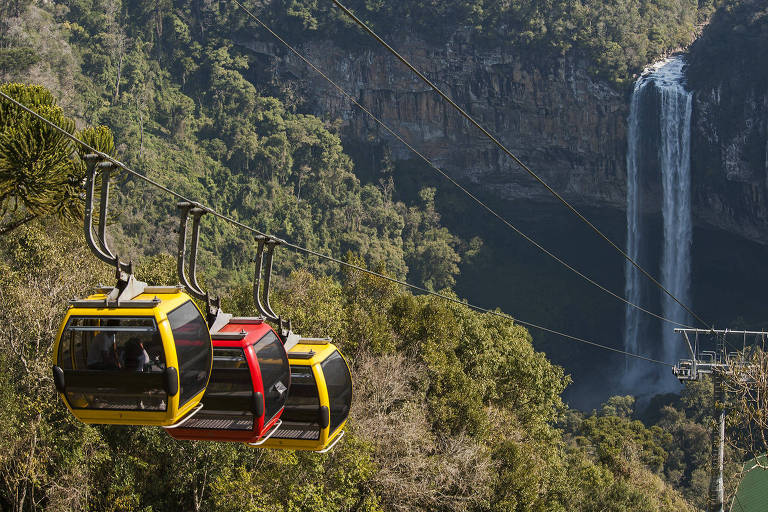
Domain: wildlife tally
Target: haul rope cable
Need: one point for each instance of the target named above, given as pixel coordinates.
(514, 158)
(453, 181)
(298, 248)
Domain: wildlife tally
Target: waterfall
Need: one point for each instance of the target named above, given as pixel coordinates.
(658, 151)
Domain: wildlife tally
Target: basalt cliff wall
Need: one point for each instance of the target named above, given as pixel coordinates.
(729, 156)
(565, 125)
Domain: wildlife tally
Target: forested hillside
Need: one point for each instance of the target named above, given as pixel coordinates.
(221, 141)
(616, 38)
(453, 410)
(167, 75)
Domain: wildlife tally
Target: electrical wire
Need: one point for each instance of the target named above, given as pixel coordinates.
(519, 162)
(452, 180)
(305, 250)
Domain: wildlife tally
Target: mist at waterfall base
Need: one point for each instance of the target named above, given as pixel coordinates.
(658, 152)
(728, 277)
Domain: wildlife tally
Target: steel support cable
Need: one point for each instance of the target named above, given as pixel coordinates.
(305, 250)
(452, 180)
(519, 162)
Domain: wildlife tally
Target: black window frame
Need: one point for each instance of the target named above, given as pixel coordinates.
(270, 400)
(185, 397)
(85, 381)
(309, 418)
(334, 411)
(211, 413)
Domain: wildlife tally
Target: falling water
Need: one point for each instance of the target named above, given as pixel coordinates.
(659, 129)
(632, 286)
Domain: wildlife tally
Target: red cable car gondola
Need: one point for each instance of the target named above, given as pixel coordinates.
(248, 387)
(251, 376)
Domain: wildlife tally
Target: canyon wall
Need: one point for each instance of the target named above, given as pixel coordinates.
(568, 127)
(729, 154)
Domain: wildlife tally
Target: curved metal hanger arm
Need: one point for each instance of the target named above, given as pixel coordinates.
(197, 214)
(261, 297)
(106, 171)
(215, 318)
(271, 244)
(99, 246)
(257, 280)
(181, 254)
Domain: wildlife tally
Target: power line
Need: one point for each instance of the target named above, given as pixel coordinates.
(305, 250)
(453, 181)
(513, 157)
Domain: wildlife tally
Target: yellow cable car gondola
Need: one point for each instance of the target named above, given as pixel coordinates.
(144, 361)
(133, 354)
(319, 398)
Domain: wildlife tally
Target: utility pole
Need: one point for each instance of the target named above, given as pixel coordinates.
(718, 443)
(719, 363)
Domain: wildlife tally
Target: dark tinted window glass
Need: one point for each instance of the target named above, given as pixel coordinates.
(193, 349)
(301, 417)
(339, 385)
(64, 356)
(227, 400)
(275, 373)
(117, 363)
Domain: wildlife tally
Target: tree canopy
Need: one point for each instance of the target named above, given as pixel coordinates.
(41, 172)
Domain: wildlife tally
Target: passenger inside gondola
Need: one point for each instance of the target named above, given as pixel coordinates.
(128, 345)
(136, 357)
(102, 349)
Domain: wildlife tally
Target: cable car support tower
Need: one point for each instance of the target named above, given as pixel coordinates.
(719, 362)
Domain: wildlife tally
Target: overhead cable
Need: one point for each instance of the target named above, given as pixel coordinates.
(452, 180)
(511, 155)
(305, 250)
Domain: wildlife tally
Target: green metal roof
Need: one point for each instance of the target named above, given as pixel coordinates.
(752, 495)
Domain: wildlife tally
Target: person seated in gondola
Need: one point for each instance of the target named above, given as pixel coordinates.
(102, 350)
(136, 357)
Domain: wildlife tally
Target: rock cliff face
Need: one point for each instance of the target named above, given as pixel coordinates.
(729, 149)
(569, 128)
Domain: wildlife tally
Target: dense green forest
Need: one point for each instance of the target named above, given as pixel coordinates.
(453, 410)
(615, 38)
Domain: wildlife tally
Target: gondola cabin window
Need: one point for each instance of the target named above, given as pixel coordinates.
(193, 349)
(126, 357)
(228, 398)
(337, 380)
(275, 374)
(301, 417)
